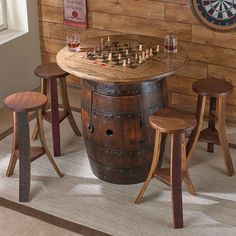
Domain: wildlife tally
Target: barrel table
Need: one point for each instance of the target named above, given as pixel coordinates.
(116, 103)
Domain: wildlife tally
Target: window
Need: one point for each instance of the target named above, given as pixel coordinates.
(3, 21)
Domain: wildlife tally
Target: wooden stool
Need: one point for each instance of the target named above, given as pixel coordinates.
(50, 73)
(170, 121)
(22, 103)
(217, 90)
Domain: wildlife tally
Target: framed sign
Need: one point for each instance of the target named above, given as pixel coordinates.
(75, 13)
(217, 14)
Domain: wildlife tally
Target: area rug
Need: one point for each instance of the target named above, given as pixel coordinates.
(86, 202)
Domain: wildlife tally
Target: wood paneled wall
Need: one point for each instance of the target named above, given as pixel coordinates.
(211, 53)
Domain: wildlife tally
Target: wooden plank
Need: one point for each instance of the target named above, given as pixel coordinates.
(179, 84)
(134, 25)
(211, 54)
(51, 46)
(51, 14)
(53, 3)
(180, 13)
(141, 8)
(222, 72)
(204, 35)
(59, 31)
(193, 69)
(44, 29)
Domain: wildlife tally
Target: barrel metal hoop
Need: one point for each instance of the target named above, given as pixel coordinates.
(116, 153)
(110, 90)
(116, 115)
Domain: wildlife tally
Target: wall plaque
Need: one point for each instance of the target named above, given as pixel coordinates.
(75, 13)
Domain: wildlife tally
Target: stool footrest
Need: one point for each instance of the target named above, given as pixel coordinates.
(163, 175)
(209, 136)
(47, 115)
(35, 153)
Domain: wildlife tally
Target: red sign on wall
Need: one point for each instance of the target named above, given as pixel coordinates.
(75, 13)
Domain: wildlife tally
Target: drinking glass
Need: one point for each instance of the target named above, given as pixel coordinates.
(73, 42)
(170, 43)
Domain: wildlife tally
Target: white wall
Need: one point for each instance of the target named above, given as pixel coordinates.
(20, 56)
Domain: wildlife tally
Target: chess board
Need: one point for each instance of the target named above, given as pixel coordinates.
(115, 54)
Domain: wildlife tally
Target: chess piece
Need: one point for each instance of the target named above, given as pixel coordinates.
(119, 56)
(147, 54)
(158, 48)
(129, 61)
(143, 56)
(124, 62)
(150, 52)
(136, 56)
(140, 61)
(127, 52)
(140, 47)
(110, 57)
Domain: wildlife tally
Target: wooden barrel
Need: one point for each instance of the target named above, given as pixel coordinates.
(119, 140)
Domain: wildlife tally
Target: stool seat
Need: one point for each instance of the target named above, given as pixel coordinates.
(50, 71)
(25, 101)
(212, 87)
(175, 123)
(21, 103)
(216, 90)
(51, 74)
(172, 121)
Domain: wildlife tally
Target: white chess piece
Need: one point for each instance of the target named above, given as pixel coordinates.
(140, 47)
(143, 56)
(124, 62)
(129, 61)
(158, 48)
(147, 54)
(140, 61)
(110, 57)
(136, 56)
(119, 56)
(127, 52)
(150, 52)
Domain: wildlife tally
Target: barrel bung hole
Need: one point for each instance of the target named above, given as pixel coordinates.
(109, 132)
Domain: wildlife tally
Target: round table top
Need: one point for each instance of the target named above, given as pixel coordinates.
(159, 66)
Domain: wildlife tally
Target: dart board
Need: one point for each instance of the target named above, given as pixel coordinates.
(217, 14)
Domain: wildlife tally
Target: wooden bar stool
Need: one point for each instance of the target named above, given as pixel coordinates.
(21, 103)
(50, 73)
(217, 90)
(170, 121)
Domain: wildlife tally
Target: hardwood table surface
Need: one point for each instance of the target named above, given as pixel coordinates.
(157, 67)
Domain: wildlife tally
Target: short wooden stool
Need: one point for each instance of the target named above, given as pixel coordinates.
(50, 73)
(217, 90)
(21, 103)
(170, 121)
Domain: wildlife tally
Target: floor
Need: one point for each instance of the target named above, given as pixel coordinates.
(13, 223)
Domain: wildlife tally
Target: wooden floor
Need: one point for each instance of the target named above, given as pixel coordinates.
(14, 223)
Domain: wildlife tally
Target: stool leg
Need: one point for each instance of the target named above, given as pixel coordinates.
(175, 178)
(201, 103)
(66, 105)
(55, 118)
(24, 157)
(15, 146)
(212, 121)
(153, 166)
(222, 135)
(43, 90)
(185, 172)
(43, 142)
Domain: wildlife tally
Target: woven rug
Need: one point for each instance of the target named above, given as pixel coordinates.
(81, 199)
